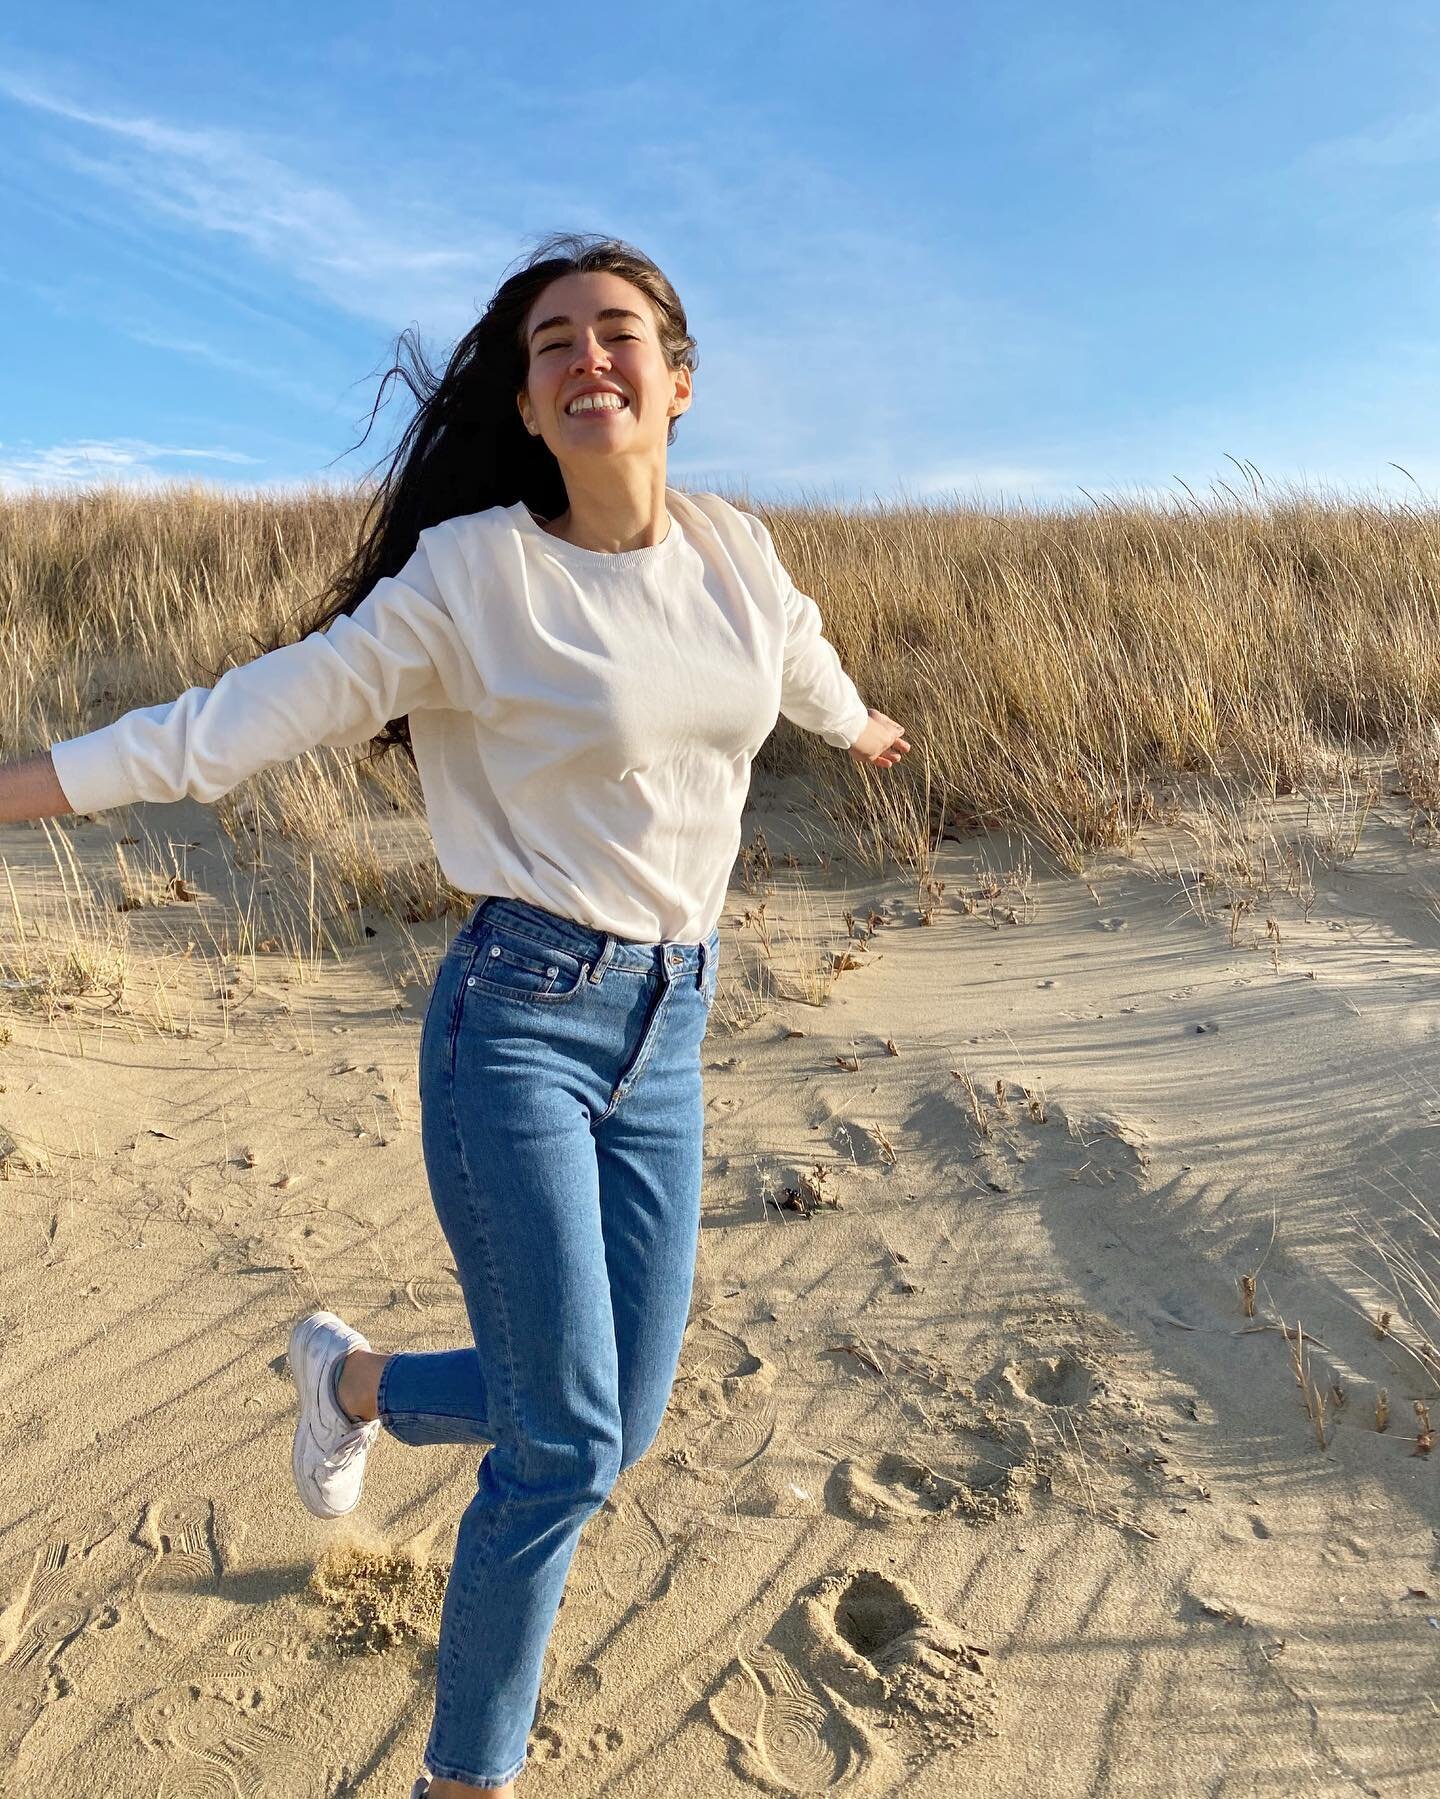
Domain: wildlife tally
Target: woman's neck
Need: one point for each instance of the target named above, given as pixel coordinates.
(610, 530)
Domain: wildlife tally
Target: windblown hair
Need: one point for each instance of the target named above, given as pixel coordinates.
(467, 449)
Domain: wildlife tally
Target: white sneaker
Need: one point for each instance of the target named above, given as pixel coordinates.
(328, 1458)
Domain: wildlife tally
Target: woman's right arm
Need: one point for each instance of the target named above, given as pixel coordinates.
(30, 789)
(397, 650)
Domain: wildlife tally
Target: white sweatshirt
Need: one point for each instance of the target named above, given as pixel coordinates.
(583, 721)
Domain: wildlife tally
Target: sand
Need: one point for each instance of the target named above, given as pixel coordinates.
(978, 1475)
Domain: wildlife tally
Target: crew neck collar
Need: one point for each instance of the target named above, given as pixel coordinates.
(646, 556)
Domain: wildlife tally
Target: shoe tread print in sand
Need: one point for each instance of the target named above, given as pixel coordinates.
(623, 1562)
(723, 1403)
(852, 1691)
(49, 1596)
(220, 1735)
(179, 1587)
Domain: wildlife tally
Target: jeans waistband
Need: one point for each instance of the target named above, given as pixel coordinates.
(600, 949)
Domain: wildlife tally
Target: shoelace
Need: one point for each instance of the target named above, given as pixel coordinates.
(349, 1447)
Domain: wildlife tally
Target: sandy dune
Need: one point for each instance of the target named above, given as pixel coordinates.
(977, 1476)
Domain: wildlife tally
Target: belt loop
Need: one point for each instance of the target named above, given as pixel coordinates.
(603, 960)
(471, 925)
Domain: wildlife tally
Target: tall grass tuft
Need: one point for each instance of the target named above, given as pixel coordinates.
(1048, 666)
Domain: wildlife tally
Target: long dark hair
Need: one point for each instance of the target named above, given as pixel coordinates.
(467, 449)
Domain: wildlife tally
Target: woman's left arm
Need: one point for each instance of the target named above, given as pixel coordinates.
(815, 691)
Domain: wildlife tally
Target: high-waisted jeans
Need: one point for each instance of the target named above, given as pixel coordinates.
(561, 1119)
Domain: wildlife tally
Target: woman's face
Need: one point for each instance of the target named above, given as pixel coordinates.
(574, 347)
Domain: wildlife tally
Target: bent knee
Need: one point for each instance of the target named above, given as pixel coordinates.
(580, 1472)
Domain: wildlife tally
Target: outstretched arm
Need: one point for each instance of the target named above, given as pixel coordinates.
(397, 650)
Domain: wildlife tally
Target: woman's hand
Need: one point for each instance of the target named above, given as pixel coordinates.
(30, 789)
(881, 743)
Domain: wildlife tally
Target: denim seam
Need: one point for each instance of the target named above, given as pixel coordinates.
(631, 1075)
(381, 1409)
(390, 1417)
(527, 998)
(499, 988)
(544, 943)
(446, 1678)
(457, 1007)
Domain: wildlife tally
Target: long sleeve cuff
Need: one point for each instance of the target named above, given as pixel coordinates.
(90, 772)
(854, 722)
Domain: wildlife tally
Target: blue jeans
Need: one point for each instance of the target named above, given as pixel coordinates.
(561, 1118)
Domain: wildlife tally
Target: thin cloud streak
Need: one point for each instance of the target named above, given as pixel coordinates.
(219, 182)
(88, 462)
(257, 373)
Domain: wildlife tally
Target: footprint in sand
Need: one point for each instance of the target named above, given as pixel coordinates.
(46, 1632)
(561, 1698)
(194, 1780)
(867, 1625)
(259, 1651)
(47, 1594)
(788, 1736)
(425, 1292)
(550, 1744)
(856, 1682)
(977, 1481)
(579, 1685)
(1077, 1417)
(623, 1553)
(185, 1571)
(220, 1737)
(1058, 1380)
(20, 1710)
(724, 1399)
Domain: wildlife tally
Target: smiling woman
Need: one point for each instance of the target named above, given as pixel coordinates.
(592, 660)
(598, 367)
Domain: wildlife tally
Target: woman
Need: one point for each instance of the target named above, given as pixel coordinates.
(588, 661)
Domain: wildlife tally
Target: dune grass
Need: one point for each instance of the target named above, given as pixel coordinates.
(1053, 670)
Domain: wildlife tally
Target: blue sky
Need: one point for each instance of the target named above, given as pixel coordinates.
(926, 250)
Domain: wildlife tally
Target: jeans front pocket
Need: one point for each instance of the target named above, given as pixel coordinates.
(510, 965)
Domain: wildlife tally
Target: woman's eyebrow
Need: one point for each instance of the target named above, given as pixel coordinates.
(609, 312)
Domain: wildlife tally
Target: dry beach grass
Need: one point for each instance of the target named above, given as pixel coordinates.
(1055, 1413)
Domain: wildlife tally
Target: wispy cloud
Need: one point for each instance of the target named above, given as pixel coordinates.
(222, 183)
(768, 394)
(259, 374)
(1391, 144)
(129, 461)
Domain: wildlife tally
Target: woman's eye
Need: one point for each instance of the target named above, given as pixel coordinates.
(560, 343)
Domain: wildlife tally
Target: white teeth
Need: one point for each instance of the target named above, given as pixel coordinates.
(597, 403)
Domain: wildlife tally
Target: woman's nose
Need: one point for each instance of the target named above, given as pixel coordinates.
(588, 354)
